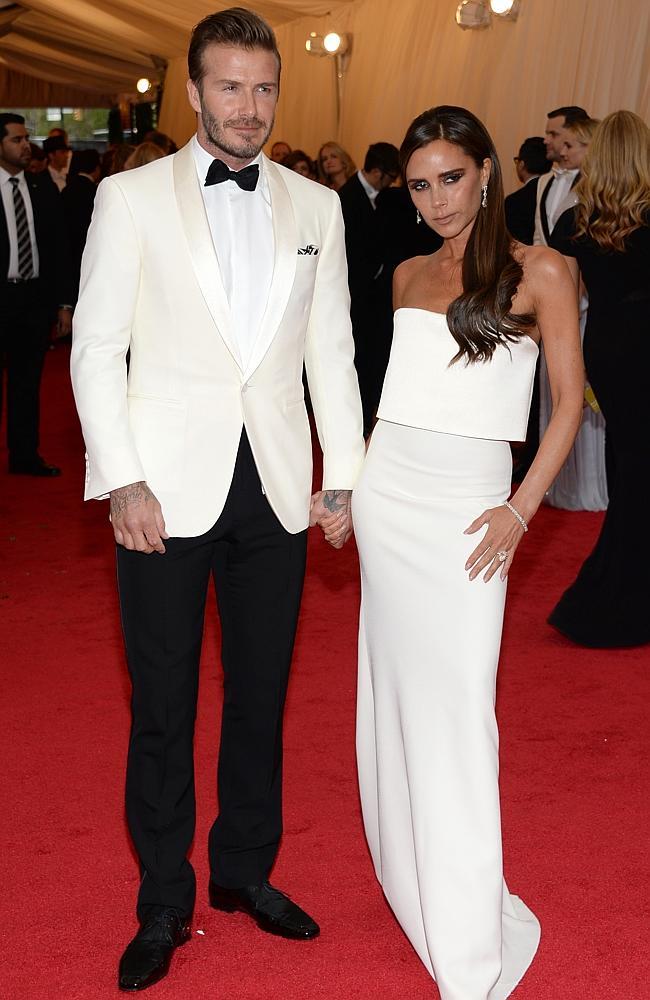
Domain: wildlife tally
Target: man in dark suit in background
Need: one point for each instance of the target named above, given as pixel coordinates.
(530, 163)
(78, 200)
(369, 276)
(35, 283)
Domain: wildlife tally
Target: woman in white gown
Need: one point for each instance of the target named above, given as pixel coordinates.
(436, 543)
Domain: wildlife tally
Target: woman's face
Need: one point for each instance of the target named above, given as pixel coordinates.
(573, 153)
(330, 161)
(445, 185)
(302, 167)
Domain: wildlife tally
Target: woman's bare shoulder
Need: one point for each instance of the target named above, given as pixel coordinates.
(542, 265)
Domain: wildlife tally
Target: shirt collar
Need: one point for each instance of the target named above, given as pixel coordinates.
(203, 159)
(367, 187)
(565, 172)
(6, 176)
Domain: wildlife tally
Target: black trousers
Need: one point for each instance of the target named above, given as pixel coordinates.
(258, 571)
(24, 328)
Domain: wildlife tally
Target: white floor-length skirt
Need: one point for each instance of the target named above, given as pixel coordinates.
(427, 739)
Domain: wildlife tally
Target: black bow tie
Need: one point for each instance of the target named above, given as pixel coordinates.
(246, 178)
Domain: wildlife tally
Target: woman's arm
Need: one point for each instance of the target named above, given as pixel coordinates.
(553, 281)
(553, 292)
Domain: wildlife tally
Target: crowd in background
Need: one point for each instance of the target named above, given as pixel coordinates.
(381, 230)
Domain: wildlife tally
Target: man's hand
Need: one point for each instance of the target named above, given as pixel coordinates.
(331, 509)
(137, 519)
(64, 322)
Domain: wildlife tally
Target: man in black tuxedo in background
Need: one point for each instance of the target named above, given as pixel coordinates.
(78, 200)
(35, 282)
(530, 164)
(369, 276)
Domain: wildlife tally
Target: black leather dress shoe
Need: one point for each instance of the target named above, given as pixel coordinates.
(34, 467)
(147, 957)
(273, 911)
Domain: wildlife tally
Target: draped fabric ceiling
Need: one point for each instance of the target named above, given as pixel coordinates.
(406, 55)
(96, 49)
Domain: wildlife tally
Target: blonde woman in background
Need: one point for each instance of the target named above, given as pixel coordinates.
(606, 240)
(581, 483)
(335, 166)
(146, 152)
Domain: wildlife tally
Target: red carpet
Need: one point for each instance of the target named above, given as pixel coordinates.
(575, 774)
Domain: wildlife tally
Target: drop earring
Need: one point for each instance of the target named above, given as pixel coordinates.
(484, 198)
(418, 217)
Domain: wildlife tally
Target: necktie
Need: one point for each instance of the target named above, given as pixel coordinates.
(246, 178)
(25, 258)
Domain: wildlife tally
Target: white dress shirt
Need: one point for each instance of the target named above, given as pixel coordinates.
(60, 177)
(371, 191)
(7, 190)
(562, 181)
(242, 232)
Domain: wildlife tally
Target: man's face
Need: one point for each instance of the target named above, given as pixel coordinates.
(554, 138)
(236, 101)
(278, 151)
(15, 151)
(58, 158)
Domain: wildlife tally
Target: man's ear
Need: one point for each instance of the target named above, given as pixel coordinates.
(193, 95)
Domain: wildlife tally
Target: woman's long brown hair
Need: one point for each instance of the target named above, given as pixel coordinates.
(480, 319)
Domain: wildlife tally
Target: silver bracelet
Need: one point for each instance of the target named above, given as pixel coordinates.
(506, 503)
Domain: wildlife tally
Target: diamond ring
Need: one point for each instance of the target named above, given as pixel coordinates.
(502, 555)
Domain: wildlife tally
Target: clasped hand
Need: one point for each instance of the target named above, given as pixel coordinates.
(331, 510)
(503, 535)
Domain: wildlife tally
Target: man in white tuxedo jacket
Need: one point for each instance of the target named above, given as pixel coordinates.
(555, 189)
(221, 272)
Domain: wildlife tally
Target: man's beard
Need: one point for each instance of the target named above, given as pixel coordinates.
(245, 149)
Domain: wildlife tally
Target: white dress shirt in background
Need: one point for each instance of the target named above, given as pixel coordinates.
(60, 177)
(242, 232)
(562, 181)
(7, 189)
(371, 191)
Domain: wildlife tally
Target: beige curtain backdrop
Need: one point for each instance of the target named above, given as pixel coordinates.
(406, 56)
(410, 55)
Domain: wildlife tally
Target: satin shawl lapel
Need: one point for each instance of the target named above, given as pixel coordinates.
(542, 210)
(200, 245)
(285, 235)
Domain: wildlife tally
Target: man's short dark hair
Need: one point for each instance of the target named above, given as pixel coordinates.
(571, 114)
(9, 118)
(84, 161)
(234, 26)
(532, 153)
(382, 156)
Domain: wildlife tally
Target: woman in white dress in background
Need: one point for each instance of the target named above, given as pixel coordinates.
(581, 483)
(436, 543)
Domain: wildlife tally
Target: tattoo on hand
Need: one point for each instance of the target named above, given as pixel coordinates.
(336, 500)
(134, 493)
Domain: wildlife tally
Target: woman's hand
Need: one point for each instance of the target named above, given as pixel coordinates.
(497, 548)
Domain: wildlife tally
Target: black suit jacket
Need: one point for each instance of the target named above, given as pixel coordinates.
(520, 212)
(78, 198)
(364, 239)
(55, 287)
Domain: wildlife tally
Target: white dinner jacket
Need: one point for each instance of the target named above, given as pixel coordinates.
(570, 199)
(150, 283)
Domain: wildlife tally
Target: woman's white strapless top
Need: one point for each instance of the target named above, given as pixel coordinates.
(483, 400)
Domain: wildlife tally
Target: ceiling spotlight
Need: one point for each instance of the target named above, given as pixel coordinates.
(472, 14)
(332, 44)
(143, 85)
(507, 9)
